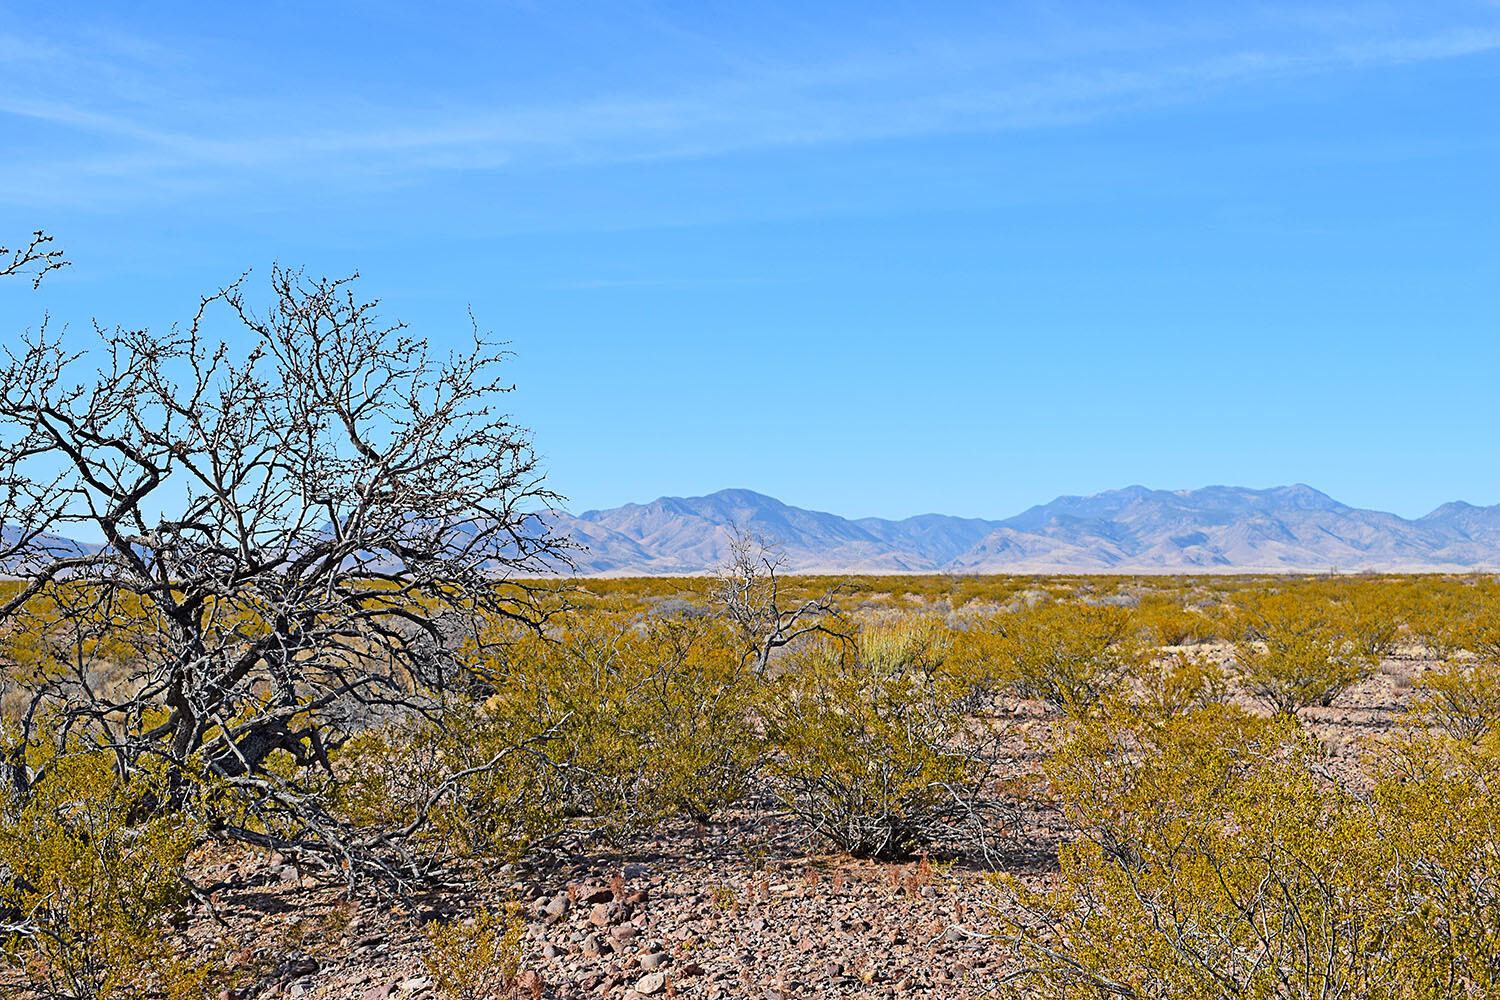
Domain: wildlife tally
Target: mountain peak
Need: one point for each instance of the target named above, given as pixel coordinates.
(1305, 495)
(1449, 509)
(740, 495)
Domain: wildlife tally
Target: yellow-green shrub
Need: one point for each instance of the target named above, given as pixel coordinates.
(478, 959)
(1295, 651)
(1461, 697)
(465, 784)
(1216, 857)
(1166, 623)
(1069, 655)
(1452, 617)
(91, 874)
(641, 717)
(1175, 683)
(877, 761)
(1436, 808)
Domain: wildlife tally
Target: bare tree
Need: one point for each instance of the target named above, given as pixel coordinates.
(36, 257)
(296, 529)
(750, 590)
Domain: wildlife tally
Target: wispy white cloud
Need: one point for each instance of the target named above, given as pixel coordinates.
(135, 135)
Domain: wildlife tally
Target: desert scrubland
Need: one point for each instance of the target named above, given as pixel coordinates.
(290, 707)
(763, 786)
(339, 662)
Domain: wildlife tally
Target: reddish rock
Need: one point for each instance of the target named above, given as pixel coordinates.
(604, 914)
(590, 893)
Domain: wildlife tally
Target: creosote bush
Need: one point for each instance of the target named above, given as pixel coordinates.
(651, 716)
(870, 745)
(1217, 858)
(1175, 683)
(610, 723)
(1296, 651)
(91, 881)
(1461, 697)
(1164, 622)
(1067, 654)
(467, 787)
(478, 958)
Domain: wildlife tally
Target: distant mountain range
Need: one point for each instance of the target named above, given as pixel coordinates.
(1217, 529)
(1133, 530)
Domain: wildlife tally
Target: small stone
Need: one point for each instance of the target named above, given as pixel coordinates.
(592, 893)
(551, 951)
(592, 946)
(651, 984)
(624, 932)
(654, 960)
(604, 914)
(557, 907)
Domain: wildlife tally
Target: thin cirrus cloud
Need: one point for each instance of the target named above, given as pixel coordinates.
(156, 143)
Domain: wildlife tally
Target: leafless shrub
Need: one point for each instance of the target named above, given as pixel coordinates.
(302, 528)
(750, 591)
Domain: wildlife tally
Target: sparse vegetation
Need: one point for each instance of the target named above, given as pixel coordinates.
(335, 652)
(478, 958)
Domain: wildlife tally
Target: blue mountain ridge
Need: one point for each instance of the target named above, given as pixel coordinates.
(1135, 529)
(1131, 530)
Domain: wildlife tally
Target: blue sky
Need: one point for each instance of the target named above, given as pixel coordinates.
(876, 259)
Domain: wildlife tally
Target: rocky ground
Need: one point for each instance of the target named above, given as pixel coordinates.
(743, 907)
(731, 909)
